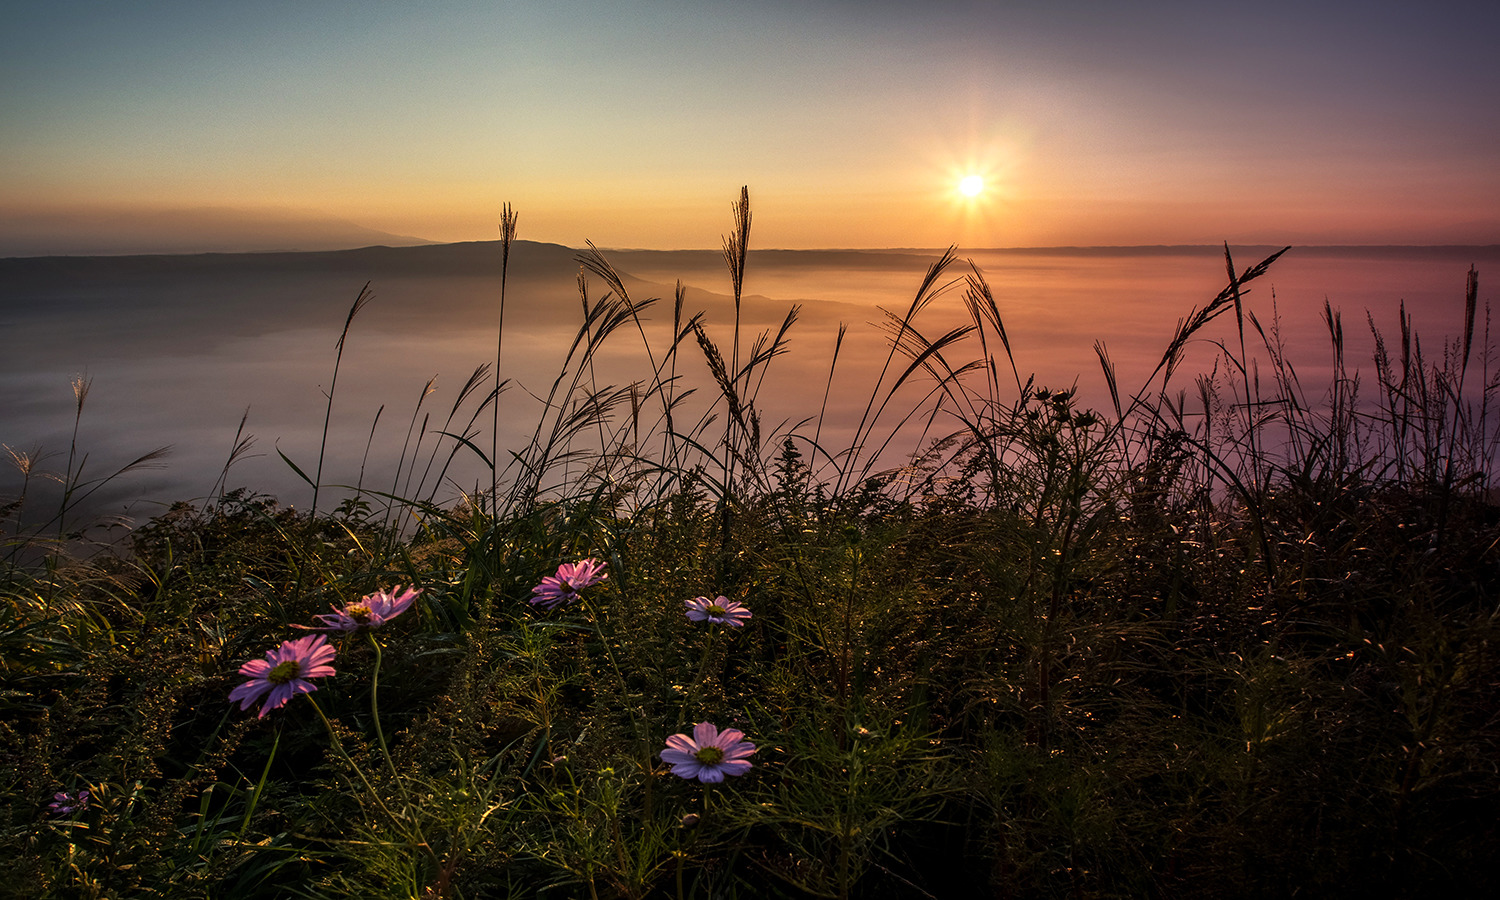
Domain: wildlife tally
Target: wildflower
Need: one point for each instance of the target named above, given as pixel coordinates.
(709, 754)
(66, 802)
(372, 611)
(563, 587)
(284, 672)
(717, 612)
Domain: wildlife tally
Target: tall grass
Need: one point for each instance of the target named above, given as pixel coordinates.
(360, 301)
(1231, 636)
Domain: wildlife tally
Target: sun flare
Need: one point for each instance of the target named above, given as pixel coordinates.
(971, 185)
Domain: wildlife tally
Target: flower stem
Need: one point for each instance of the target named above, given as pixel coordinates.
(687, 700)
(260, 785)
(375, 717)
(338, 746)
(596, 615)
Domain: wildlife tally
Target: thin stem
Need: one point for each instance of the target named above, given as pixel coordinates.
(260, 785)
(708, 646)
(375, 717)
(70, 481)
(845, 664)
(338, 747)
(609, 651)
(507, 235)
(359, 303)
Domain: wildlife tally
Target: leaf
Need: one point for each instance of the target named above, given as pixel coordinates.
(300, 474)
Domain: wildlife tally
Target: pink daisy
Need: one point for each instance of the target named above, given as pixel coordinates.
(717, 612)
(284, 673)
(66, 802)
(370, 612)
(709, 754)
(563, 587)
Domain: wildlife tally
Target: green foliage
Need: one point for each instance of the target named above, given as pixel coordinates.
(1239, 651)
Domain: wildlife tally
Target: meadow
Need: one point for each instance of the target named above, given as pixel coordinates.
(1203, 633)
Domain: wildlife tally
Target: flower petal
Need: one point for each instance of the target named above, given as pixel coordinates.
(727, 737)
(682, 743)
(711, 775)
(249, 692)
(741, 751)
(675, 757)
(256, 668)
(692, 769)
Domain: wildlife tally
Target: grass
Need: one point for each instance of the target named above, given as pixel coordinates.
(1221, 639)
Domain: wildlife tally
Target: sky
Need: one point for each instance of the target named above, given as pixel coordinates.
(157, 125)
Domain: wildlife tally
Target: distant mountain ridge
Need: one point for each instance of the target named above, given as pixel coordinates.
(132, 232)
(379, 258)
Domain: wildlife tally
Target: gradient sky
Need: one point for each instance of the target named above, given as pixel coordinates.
(633, 123)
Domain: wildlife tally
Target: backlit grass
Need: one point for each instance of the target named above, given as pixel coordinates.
(1229, 636)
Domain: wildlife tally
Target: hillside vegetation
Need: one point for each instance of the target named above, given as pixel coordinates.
(1227, 637)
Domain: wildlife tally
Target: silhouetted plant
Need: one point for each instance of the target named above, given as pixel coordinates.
(1226, 638)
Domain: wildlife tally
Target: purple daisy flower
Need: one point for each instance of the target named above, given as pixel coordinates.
(563, 587)
(66, 802)
(370, 612)
(720, 611)
(709, 754)
(284, 673)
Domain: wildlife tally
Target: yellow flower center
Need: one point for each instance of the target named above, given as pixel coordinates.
(714, 609)
(709, 755)
(359, 612)
(284, 672)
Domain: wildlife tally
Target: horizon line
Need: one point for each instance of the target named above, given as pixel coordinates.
(1048, 248)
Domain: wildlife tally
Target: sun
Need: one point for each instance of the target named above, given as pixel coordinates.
(971, 185)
